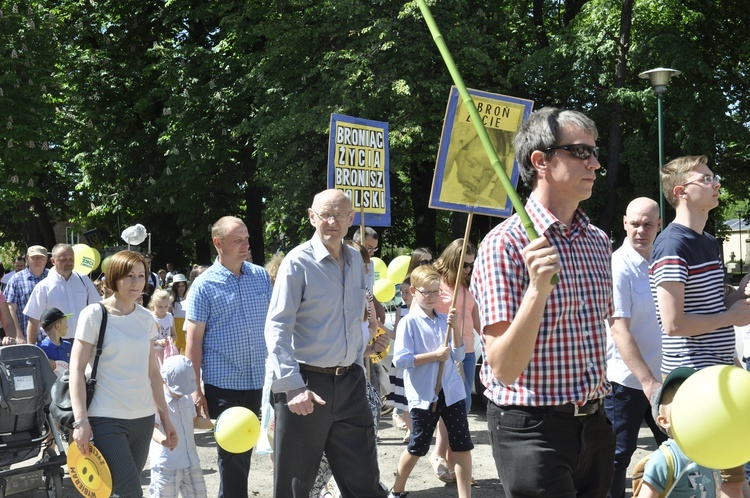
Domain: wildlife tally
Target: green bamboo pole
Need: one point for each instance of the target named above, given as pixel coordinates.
(479, 125)
(477, 120)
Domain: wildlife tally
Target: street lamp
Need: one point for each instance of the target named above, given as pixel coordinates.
(659, 78)
(739, 227)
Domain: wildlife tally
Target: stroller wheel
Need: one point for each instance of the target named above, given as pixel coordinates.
(53, 485)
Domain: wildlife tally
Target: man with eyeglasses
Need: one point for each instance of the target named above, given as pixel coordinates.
(315, 347)
(544, 343)
(371, 244)
(687, 282)
(62, 288)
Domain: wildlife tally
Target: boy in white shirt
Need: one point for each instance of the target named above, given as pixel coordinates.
(179, 470)
(419, 350)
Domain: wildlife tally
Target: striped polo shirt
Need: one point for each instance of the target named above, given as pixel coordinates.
(682, 255)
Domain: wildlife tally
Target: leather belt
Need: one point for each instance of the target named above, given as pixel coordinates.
(326, 370)
(589, 408)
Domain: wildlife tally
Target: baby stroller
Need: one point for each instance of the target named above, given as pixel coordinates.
(26, 379)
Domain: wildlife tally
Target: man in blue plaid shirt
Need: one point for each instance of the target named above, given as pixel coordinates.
(226, 313)
(21, 285)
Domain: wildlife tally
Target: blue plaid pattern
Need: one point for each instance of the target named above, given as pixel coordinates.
(18, 291)
(234, 311)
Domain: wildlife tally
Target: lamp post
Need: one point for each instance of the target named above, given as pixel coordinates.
(739, 227)
(659, 78)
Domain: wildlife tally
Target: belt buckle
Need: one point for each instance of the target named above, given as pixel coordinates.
(578, 413)
(339, 371)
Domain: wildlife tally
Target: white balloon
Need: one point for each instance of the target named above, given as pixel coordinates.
(134, 235)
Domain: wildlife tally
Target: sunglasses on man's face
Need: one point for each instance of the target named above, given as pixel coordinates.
(579, 151)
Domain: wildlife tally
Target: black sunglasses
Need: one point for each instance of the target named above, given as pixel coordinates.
(579, 151)
(425, 262)
(468, 265)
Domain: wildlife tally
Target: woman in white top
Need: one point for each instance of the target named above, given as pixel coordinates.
(128, 382)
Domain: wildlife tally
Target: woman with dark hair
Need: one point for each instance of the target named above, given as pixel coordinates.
(128, 381)
(420, 256)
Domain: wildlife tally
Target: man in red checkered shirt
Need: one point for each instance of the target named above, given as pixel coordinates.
(544, 344)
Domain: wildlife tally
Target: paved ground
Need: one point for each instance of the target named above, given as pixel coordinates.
(422, 483)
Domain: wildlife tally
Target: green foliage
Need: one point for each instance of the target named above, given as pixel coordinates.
(172, 114)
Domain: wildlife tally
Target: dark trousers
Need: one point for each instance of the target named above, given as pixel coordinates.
(234, 468)
(539, 452)
(343, 428)
(627, 409)
(124, 445)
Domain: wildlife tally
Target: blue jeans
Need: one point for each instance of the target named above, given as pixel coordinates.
(470, 364)
(627, 408)
(233, 467)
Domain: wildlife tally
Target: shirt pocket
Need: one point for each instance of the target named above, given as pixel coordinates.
(643, 301)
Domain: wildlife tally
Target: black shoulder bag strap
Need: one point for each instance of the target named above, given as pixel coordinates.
(99, 343)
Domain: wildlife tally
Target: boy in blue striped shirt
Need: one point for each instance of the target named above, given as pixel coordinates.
(687, 282)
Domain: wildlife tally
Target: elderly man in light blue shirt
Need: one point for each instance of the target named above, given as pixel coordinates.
(315, 346)
(226, 310)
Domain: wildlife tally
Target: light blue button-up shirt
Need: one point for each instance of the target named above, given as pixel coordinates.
(417, 334)
(316, 311)
(234, 311)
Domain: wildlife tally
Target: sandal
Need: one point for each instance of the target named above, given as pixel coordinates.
(440, 467)
(398, 421)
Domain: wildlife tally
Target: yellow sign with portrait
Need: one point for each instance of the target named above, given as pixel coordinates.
(464, 178)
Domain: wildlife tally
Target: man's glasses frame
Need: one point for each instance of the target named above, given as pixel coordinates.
(705, 180)
(579, 151)
(338, 217)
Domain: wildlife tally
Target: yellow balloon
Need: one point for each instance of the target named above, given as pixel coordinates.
(97, 258)
(237, 429)
(381, 270)
(397, 268)
(384, 290)
(711, 417)
(84, 259)
(105, 264)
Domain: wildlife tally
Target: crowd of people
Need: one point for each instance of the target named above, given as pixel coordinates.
(580, 344)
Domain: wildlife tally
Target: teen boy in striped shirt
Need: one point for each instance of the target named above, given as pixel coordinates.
(687, 282)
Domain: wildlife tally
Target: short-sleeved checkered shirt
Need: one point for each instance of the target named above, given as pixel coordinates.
(18, 291)
(568, 363)
(234, 311)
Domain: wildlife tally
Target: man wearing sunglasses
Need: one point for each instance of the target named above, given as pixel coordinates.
(687, 280)
(315, 347)
(544, 367)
